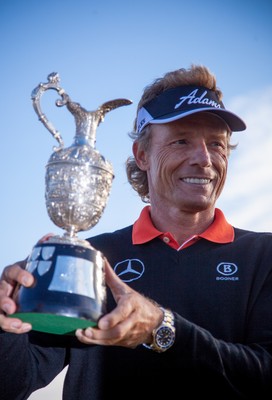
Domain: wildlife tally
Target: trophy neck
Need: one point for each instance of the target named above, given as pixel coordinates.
(86, 131)
(86, 124)
(70, 232)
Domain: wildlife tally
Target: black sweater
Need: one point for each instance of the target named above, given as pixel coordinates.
(221, 295)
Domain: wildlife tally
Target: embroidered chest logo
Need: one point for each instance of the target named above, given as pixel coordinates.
(129, 270)
(227, 272)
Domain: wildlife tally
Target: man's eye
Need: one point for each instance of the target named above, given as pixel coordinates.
(218, 144)
(180, 141)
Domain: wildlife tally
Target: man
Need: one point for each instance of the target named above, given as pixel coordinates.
(191, 313)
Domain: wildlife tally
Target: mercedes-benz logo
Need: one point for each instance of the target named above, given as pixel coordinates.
(129, 270)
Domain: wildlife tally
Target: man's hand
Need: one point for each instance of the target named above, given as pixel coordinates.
(11, 276)
(132, 321)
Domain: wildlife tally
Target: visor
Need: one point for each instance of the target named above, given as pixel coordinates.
(179, 102)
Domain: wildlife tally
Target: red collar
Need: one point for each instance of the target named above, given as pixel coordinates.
(220, 231)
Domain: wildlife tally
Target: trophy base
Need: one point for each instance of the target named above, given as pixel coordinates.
(69, 290)
(55, 324)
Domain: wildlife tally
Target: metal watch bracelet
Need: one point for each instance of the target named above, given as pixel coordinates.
(164, 334)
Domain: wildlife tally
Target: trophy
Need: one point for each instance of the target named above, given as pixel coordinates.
(69, 290)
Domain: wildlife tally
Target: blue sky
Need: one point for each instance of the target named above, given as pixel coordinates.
(111, 49)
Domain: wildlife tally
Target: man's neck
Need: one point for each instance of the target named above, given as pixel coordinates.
(182, 225)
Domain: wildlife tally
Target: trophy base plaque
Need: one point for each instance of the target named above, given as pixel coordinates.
(69, 291)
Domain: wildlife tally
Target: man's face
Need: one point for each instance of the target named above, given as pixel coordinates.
(186, 163)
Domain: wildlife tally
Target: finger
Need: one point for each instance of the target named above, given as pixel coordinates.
(116, 285)
(16, 274)
(8, 305)
(97, 336)
(125, 307)
(14, 325)
(86, 336)
(122, 334)
(45, 237)
(121, 293)
(11, 277)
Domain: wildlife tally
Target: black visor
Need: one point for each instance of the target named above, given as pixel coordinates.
(179, 102)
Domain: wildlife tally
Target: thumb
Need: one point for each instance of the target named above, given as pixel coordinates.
(116, 285)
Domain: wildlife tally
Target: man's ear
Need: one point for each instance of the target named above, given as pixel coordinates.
(140, 156)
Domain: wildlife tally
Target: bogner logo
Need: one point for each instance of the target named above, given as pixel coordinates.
(227, 270)
(192, 99)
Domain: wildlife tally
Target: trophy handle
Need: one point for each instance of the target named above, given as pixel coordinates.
(86, 121)
(53, 83)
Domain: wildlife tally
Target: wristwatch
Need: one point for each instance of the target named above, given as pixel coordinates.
(164, 335)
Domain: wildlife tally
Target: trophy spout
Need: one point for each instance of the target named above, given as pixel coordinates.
(88, 121)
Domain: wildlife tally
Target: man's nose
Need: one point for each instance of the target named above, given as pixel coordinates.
(201, 156)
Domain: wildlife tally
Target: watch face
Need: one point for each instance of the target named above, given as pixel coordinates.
(165, 337)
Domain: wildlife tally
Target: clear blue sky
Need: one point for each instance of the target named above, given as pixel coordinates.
(109, 49)
(102, 51)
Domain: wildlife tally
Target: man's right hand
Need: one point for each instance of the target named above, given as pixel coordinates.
(11, 276)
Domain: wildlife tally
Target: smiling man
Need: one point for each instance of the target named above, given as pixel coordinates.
(189, 304)
(186, 168)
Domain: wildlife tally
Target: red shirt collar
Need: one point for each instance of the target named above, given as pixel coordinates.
(220, 231)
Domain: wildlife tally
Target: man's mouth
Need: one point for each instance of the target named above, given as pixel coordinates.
(198, 181)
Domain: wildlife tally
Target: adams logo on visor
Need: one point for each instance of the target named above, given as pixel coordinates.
(193, 99)
(179, 102)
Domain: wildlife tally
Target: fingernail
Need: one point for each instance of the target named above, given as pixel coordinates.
(104, 324)
(89, 332)
(15, 325)
(7, 308)
(26, 327)
(26, 281)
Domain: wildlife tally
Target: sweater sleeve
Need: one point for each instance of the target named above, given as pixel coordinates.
(244, 365)
(28, 362)
(246, 369)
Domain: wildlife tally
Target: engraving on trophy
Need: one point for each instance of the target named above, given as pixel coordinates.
(70, 290)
